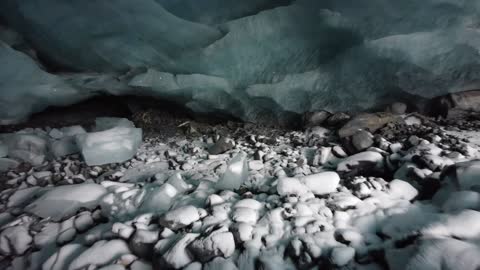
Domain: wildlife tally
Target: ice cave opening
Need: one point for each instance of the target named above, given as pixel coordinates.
(239, 135)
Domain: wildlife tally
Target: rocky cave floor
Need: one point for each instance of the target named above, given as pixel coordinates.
(403, 193)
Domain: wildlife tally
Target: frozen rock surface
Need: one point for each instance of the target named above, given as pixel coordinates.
(259, 60)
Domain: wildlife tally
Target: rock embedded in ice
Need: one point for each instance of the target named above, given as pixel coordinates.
(63, 201)
(114, 145)
(235, 175)
(214, 245)
(402, 190)
(321, 183)
(7, 164)
(180, 217)
(362, 160)
(291, 186)
(100, 254)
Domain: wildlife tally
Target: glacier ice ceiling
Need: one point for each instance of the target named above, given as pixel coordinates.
(258, 60)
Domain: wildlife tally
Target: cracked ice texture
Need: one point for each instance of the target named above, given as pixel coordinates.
(258, 60)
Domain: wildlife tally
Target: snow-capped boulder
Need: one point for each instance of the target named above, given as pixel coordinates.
(218, 243)
(402, 190)
(180, 217)
(321, 183)
(363, 160)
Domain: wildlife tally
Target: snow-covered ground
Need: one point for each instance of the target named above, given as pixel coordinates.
(297, 200)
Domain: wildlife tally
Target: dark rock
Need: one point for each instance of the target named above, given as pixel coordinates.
(315, 118)
(338, 119)
(221, 146)
(369, 121)
(362, 140)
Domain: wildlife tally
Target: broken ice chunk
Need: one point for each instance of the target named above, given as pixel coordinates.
(64, 146)
(159, 199)
(114, 145)
(66, 200)
(30, 148)
(236, 173)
